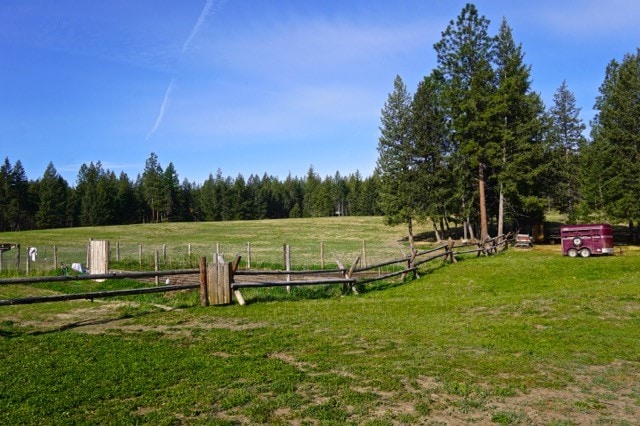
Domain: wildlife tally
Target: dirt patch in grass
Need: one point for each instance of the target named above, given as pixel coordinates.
(104, 317)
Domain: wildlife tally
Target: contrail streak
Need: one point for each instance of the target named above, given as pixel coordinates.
(162, 108)
(209, 4)
(199, 22)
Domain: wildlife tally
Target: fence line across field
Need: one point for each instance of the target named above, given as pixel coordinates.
(217, 282)
(60, 255)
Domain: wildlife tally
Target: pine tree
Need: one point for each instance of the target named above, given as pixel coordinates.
(614, 156)
(52, 203)
(566, 141)
(519, 115)
(398, 197)
(431, 151)
(464, 58)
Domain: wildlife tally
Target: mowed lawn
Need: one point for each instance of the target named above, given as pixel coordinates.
(522, 337)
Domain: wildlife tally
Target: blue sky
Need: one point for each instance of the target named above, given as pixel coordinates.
(255, 86)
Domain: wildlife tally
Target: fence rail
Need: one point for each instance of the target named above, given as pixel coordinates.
(217, 281)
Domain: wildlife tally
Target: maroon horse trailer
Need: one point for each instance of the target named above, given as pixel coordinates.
(585, 240)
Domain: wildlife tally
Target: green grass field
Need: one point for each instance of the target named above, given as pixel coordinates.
(522, 337)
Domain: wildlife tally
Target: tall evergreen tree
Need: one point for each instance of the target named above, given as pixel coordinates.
(21, 209)
(566, 141)
(614, 156)
(152, 187)
(518, 162)
(464, 57)
(5, 193)
(398, 198)
(430, 150)
(170, 187)
(52, 202)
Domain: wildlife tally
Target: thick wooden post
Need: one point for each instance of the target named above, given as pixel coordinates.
(55, 257)
(219, 279)
(98, 257)
(204, 299)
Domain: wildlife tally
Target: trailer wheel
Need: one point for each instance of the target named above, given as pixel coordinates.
(585, 252)
(572, 252)
(577, 241)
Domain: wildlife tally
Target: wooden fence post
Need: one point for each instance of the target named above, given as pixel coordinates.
(28, 263)
(18, 258)
(321, 254)
(410, 264)
(140, 254)
(364, 254)
(155, 266)
(164, 254)
(287, 264)
(98, 254)
(219, 279)
(248, 255)
(117, 251)
(348, 274)
(55, 257)
(204, 299)
(449, 250)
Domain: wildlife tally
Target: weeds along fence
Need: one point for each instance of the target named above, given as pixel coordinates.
(219, 281)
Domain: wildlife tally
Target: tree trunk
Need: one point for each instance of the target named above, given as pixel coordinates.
(436, 232)
(501, 213)
(484, 229)
(410, 230)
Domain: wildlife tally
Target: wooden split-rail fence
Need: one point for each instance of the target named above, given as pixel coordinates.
(219, 282)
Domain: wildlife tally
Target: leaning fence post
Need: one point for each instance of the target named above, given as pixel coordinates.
(410, 261)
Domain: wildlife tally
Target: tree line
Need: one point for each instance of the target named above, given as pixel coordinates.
(100, 197)
(476, 145)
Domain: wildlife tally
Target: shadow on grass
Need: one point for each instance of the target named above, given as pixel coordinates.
(9, 329)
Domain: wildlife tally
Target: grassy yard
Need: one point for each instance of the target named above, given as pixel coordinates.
(523, 337)
(341, 237)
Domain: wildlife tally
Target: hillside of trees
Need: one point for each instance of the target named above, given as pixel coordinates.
(474, 145)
